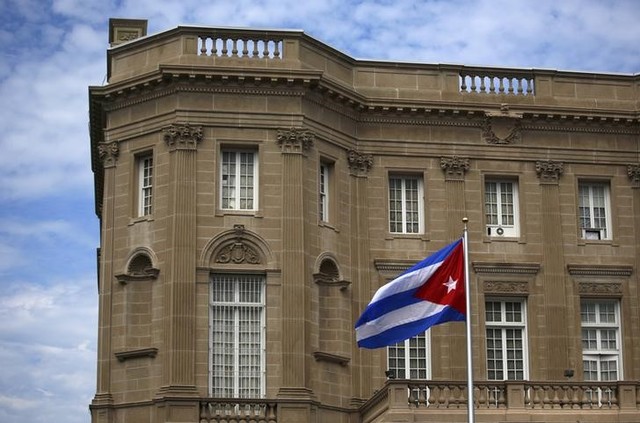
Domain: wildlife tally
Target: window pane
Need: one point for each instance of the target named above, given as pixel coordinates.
(237, 325)
(405, 204)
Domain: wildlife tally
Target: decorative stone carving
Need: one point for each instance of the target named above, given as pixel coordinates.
(600, 288)
(549, 171)
(633, 171)
(181, 136)
(295, 140)
(454, 167)
(238, 251)
(108, 153)
(506, 287)
(503, 128)
(359, 162)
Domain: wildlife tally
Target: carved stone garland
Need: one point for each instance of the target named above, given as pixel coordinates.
(454, 167)
(238, 251)
(182, 136)
(549, 172)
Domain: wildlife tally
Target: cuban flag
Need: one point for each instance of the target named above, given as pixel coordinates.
(429, 293)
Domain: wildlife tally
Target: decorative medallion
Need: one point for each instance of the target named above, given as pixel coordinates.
(454, 167)
(549, 171)
(502, 128)
(109, 153)
(633, 171)
(238, 251)
(181, 136)
(295, 140)
(358, 162)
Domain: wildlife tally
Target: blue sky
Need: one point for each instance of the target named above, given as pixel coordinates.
(51, 51)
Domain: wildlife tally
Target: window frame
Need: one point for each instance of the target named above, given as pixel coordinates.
(503, 325)
(419, 200)
(599, 354)
(324, 191)
(236, 306)
(237, 163)
(593, 232)
(407, 350)
(492, 230)
(144, 184)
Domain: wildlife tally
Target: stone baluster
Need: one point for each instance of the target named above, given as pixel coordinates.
(203, 44)
(245, 47)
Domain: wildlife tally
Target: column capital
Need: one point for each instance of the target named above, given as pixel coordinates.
(454, 167)
(633, 171)
(182, 136)
(295, 140)
(549, 171)
(359, 163)
(108, 153)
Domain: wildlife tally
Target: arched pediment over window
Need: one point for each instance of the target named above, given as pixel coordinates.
(140, 266)
(237, 246)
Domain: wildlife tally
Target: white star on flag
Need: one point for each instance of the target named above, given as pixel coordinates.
(451, 285)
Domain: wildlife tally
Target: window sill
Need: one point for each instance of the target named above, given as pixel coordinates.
(328, 225)
(233, 212)
(392, 236)
(582, 241)
(135, 220)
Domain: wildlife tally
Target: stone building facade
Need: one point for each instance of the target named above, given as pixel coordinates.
(254, 188)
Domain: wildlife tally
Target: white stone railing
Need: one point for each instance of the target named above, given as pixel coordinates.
(240, 45)
(495, 81)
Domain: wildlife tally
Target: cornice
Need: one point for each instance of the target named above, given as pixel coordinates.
(139, 353)
(506, 268)
(599, 270)
(390, 268)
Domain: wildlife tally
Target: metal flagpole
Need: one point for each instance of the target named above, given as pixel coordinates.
(467, 294)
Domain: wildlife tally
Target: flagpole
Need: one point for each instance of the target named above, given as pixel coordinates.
(467, 294)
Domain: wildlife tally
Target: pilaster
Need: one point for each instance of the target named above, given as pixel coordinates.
(557, 319)
(108, 153)
(453, 352)
(363, 366)
(180, 276)
(296, 306)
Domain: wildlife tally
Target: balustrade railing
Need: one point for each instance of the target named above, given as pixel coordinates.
(496, 82)
(237, 410)
(532, 395)
(240, 46)
(572, 396)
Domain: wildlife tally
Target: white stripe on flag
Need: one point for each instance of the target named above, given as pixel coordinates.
(411, 313)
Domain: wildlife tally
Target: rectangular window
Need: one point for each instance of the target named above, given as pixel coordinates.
(410, 359)
(323, 192)
(506, 339)
(145, 185)
(237, 342)
(501, 208)
(238, 180)
(594, 210)
(600, 340)
(406, 201)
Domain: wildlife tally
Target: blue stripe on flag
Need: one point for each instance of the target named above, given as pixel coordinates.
(407, 330)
